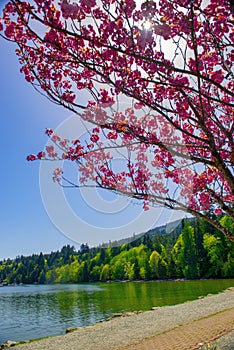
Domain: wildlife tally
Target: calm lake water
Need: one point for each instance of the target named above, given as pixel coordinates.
(34, 311)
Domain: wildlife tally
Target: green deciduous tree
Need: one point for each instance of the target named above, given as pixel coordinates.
(213, 246)
(105, 273)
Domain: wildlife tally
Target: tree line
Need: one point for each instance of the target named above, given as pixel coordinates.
(197, 250)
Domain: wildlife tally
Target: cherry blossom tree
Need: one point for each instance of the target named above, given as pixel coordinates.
(159, 80)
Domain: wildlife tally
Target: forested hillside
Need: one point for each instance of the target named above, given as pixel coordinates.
(196, 251)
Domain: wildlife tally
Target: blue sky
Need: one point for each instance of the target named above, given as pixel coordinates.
(71, 217)
(24, 225)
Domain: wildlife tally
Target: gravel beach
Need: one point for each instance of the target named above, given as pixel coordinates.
(135, 328)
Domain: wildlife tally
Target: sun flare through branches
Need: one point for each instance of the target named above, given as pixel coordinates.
(158, 82)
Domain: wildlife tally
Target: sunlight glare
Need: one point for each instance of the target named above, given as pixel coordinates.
(147, 25)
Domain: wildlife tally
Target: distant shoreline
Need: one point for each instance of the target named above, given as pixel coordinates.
(120, 281)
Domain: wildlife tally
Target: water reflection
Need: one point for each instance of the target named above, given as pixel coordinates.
(35, 311)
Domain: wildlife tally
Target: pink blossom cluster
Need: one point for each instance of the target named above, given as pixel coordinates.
(181, 101)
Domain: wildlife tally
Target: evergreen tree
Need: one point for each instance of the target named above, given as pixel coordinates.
(184, 253)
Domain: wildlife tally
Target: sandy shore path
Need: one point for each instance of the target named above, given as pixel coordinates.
(195, 320)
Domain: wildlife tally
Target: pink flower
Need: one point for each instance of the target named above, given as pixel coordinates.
(96, 129)
(163, 30)
(145, 206)
(51, 152)
(52, 36)
(57, 175)
(68, 96)
(49, 132)
(31, 157)
(69, 10)
(58, 171)
(63, 143)
(217, 76)
(112, 135)
(94, 138)
(138, 105)
(41, 155)
(88, 3)
(55, 138)
(10, 31)
(218, 211)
